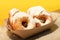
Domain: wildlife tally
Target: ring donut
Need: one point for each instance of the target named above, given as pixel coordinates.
(21, 21)
(40, 15)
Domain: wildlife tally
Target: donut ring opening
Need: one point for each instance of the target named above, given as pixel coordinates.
(42, 18)
(24, 22)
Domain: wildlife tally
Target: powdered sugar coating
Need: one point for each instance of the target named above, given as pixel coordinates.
(12, 11)
(18, 15)
(36, 10)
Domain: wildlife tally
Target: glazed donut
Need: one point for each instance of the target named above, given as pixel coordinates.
(40, 15)
(21, 20)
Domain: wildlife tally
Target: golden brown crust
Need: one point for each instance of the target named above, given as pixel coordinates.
(37, 25)
(9, 23)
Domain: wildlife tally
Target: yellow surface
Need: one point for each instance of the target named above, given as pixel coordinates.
(23, 5)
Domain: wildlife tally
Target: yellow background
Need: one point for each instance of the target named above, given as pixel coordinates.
(23, 5)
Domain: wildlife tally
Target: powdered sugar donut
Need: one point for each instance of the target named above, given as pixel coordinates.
(21, 20)
(40, 15)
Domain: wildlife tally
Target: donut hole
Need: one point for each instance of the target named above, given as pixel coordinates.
(24, 23)
(42, 18)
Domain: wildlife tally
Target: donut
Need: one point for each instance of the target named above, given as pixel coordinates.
(11, 14)
(20, 20)
(40, 15)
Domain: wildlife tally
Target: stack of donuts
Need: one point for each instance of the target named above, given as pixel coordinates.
(35, 17)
